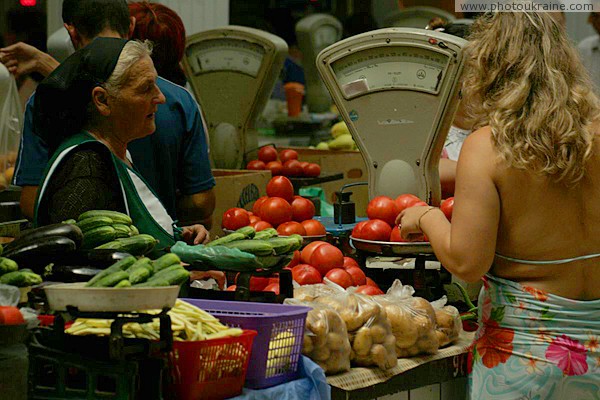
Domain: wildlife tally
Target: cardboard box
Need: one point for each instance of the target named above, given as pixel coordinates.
(350, 163)
(236, 188)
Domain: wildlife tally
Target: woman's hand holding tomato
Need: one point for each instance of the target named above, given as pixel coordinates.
(409, 222)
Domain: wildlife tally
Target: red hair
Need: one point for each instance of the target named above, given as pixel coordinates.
(162, 26)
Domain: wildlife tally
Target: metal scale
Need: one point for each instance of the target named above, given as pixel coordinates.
(314, 33)
(232, 71)
(397, 90)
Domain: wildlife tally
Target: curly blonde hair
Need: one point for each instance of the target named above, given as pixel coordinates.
(524, 79)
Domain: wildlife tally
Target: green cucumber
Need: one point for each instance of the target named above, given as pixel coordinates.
(256, 247)
(120, 265)
(166, 261)
(247, 231)
(137, 245)
(123, 283)
(91, 223)
(117, 217)
(232, 237)
(112, 279)
(265, 234)
(122, 230)
(97, 236)
(7, 265)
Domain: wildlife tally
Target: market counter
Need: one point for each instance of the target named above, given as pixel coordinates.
(449, 364)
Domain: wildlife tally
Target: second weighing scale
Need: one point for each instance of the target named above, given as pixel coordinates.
(397, 90)
(232, 71)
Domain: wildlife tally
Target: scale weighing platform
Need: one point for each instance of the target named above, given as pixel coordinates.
(397, 90)
(232, 71)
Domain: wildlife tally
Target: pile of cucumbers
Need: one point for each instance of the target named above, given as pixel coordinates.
(10, 274)
(243, 250)
(143, 272)
(100, 227)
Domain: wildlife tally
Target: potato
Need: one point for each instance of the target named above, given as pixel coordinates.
(379, 356)
(443, 319)
(307, 345)
(321, 354)
(362, 341)
(423, 323)
(337, 362)
(335, 341)
(428, 343)
(389, 342)
(442, 337)
(319, 326)
(378, 333)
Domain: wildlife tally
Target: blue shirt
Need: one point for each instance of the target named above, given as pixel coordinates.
(173, 160)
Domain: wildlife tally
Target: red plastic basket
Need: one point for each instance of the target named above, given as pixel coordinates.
(210, 369)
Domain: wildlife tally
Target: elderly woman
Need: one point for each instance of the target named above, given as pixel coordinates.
(526, 213)
(88, 110)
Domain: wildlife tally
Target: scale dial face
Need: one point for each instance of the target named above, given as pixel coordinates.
(324, 36)
(385, 68)
(226, 55)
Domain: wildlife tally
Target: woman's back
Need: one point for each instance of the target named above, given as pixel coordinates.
(544, 220)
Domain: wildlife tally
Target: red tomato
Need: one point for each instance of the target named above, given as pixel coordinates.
(256, 164)
(371, 282)
(405, 200)
(358, 276)
(327, 257)
(384, 208)
(10, 316)
(305, 274)
(289, 228)
(312, 170)
(302, 209)
(308, 250)
(357, 229)
(267, 154)
(235, 218)
(349, 262)
(280, 186)
(275, 167)
(273, 287)
(257, 204)
(395, 236)
(340, 276)
(313, 227)
(276, 211)
(261, 226)
(257, 283)
(231, 288)
(303, 164)
(375, 229)
(447, 207)
(369, 290)
(295, 261)
(419, 204)
(288, 154)
(292, 168)
(254, 219)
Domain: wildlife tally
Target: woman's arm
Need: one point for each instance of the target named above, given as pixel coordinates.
(466, 247)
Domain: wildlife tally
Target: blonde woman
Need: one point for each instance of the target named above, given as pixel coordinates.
(527, 212)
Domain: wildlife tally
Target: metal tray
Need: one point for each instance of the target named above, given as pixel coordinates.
(391, 248)
(110, 299)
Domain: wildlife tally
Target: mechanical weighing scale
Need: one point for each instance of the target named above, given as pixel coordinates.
(397, 90)
(314, 33)
(232, 71)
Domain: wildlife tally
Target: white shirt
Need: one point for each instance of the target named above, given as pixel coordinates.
(589, 49)
(454, 141)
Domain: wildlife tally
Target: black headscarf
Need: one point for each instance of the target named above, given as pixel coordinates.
(62, 98)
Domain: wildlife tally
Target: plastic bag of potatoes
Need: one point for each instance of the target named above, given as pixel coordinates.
(311, 292)
(368, 328)
(325, 338)
(412, 320)
(449, 324)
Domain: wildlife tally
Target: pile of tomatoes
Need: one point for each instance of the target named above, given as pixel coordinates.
(280, 209)
(320, 260)
(382, 212)
(287, 165)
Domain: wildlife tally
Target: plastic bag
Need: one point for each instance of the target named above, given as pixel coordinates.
(311, 292)
(449, 324)
(11, 124)
(9, 295)
(412, 320)
(325, 338)
(368, 328)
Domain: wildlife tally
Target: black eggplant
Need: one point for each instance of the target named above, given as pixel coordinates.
(38, 254)
(33, 235)
(70, 273)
